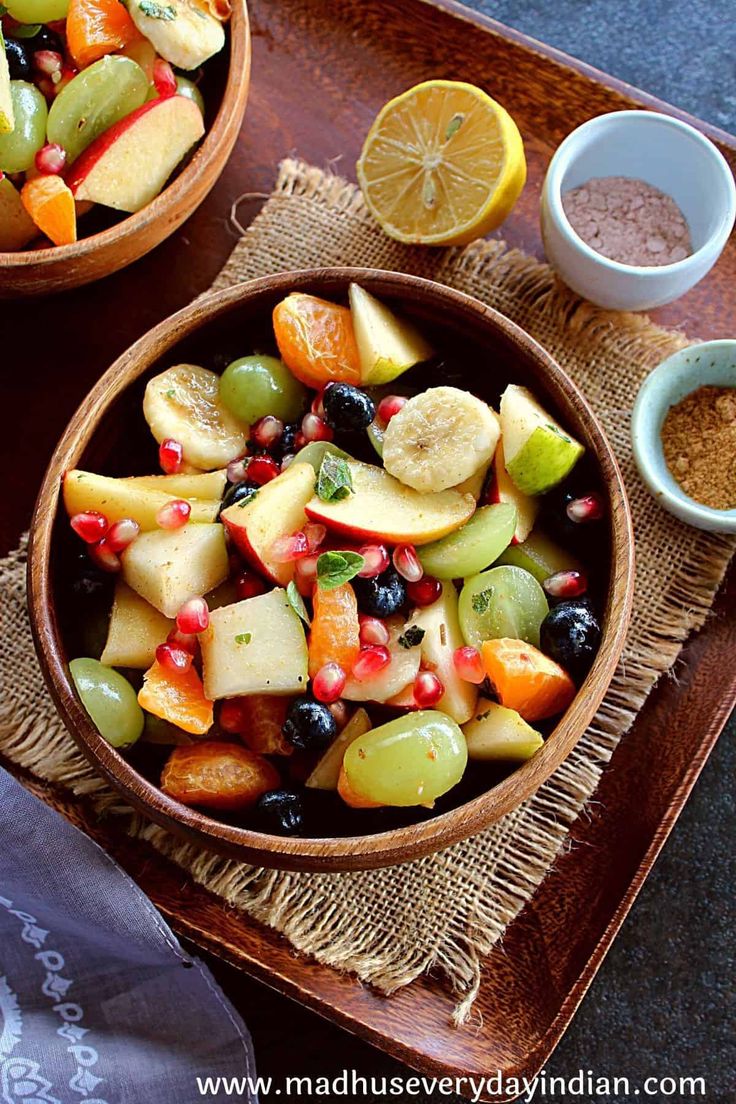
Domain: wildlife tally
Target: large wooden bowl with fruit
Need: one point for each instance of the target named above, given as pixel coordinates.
(372, 597)
(115, 122)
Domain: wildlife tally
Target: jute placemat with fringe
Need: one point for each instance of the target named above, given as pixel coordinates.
(445, 911)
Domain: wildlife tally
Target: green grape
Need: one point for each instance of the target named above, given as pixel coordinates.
(19, 147)
(94, 100)
(502, 602)
(476, 545)
(188, 89)
(37, 11)
(254, 386)
(314, 453)
(110, 701)
(409, 761)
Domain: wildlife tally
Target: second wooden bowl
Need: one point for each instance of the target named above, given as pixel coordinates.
(108, 434)
(61, 267)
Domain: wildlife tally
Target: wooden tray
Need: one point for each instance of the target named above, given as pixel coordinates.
(321, 70)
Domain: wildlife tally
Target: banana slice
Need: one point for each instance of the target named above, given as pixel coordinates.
(440, 438)
(184, 403)
(182, 31)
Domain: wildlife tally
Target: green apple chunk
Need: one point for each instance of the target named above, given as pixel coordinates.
(500, 734)
(387, 345)
(256, 646)
(110, 701)
(539, 555)
(441, 627)
(502, 602)
(410, 761)
(539, 453)
(468, 550)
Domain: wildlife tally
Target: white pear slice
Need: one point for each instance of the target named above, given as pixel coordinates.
(498, 733)
(387, 345)
(442, 636)
(539, 453)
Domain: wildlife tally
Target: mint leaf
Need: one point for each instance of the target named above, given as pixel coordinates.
(336, 568)
(247, 498)
(157, 11)
(412, 637)
(244, 638)
(334, 481)
(297, 602)
(481, 602)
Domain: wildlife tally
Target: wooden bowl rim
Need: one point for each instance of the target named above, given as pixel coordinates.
(175, 192)
(323, 853)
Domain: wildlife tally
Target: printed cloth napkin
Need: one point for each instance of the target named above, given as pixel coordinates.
(99, 1004)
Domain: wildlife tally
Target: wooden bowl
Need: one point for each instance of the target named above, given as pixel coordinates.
(108, 434)
(123, 239)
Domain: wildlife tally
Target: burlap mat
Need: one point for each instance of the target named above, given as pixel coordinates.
(445, 911)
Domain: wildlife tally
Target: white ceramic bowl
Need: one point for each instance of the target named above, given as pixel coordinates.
(666, 153)
(710, 363)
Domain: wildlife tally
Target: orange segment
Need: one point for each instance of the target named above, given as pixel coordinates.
(97, 27)
(218, 776)
(51, 206)
(335, 634)
(177, 698)
(526, 680)
(349, 795)
(316, 340)
(263, 718)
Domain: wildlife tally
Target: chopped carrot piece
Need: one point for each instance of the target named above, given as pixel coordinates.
(97, 27)
(50, 204)
(335, 632)
(263, 718)
(527, 680)
(177, 697)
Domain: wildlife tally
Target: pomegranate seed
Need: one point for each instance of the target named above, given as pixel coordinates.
(427, 689)
(315, 534)
(370, 661)
(389, 406)
(376, 560)
(170, 456)
(299, 440)
(48, 62)
(237, 470)
(286, 460)
(194, 616)
(315, 429)
(329, 682)
(293, 547)
(566, 584)
(340, 712)
(231, 716)
(248, 584)
(425, 591)
(262, 469)
(267, 431)
(173, 659)
(187, 641)
(104, 557)
(122, 533)
(163, 78)
(468, 664)
(318, 406)
(372, 631)
(587, 508)
(50, 159)
(174, 514)
(407, 563)
(91, 526)
(305, 574)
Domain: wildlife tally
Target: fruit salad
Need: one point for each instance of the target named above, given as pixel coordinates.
(353, 585)
(99, 103)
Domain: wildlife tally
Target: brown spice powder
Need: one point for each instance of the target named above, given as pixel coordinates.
(699, 441)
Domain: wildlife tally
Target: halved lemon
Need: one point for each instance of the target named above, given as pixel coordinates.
(443, 164)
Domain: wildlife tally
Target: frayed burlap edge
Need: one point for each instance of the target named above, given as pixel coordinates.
(493, 875)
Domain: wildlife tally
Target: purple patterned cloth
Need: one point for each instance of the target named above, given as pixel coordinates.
(99, 1004)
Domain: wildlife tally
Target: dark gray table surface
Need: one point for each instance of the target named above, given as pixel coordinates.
(663, 1002)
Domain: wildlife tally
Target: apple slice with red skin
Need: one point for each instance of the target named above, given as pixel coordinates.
(503, 489)
(382, 508)
(128, 165)
(275, 510)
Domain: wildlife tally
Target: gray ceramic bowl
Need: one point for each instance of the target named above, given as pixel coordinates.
(710, 363)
